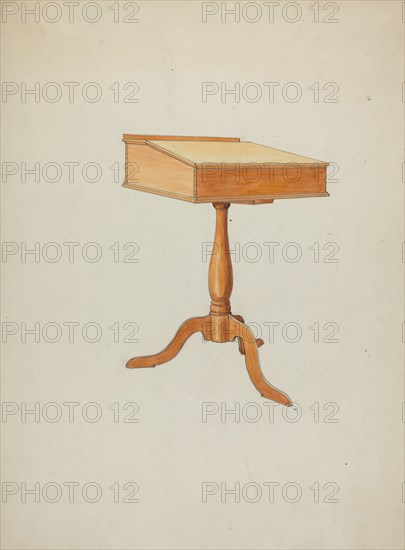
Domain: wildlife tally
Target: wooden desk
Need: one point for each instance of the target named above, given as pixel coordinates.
(221, 171)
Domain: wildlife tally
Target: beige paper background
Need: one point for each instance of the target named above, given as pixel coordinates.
(170, 453)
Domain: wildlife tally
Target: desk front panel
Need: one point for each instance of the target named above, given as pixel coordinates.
(245, 181)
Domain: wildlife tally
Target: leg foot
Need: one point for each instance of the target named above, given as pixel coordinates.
(189, 327)
(250, 346)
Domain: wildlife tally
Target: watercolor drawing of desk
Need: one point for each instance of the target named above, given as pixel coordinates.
(221, 171)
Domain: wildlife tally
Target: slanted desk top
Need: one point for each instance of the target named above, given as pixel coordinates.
(208, 169)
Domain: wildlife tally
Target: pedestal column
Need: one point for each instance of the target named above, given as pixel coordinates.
(220, 279)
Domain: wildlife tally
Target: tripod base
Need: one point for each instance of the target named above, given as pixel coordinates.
(219, 328)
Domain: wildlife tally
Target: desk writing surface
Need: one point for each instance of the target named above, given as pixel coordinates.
(243, 152)
(219, 170)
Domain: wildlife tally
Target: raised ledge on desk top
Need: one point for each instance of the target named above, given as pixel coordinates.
(143, 138)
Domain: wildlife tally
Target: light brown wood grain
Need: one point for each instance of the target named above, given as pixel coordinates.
(220, 269)
(250, 350)
(174, 168)
(226, 152)
(221, 171)
(187, 329)
(128, 138)
(220, 325)
(151, 170)
(257, 180)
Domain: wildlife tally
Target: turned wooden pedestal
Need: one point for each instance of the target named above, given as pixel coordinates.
(220, 325)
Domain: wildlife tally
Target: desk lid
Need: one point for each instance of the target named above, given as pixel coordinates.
(229, 152)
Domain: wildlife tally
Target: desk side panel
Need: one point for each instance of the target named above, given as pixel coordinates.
(147, 169)
(248, 181)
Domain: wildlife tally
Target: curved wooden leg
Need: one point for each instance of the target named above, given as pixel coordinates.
(243, 332)
(259, 341)
(240, 341)
(189, 327)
